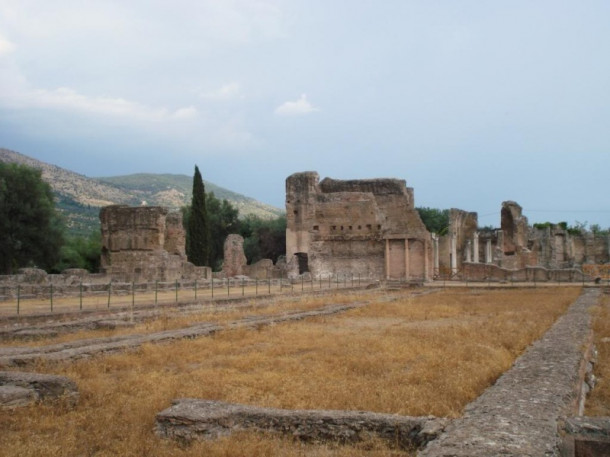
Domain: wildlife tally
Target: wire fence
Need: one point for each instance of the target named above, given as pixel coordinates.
(21, 299)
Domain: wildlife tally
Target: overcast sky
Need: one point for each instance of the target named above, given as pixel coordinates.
(472, 102)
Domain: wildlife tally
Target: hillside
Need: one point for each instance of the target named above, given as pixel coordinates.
(79, 197)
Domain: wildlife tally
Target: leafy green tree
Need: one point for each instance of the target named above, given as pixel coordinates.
(435, 220)
(197, 227)
(81, 252)
(31, 232)
(263, 238)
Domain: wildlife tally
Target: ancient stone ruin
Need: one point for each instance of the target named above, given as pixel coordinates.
(550, 251)
(234, 260)
(145, 243)
(367, 228)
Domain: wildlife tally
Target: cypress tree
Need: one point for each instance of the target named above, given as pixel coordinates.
(198, 230)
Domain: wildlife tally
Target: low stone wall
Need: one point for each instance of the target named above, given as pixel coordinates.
(21, 389)
(191, 419)
(18, 356)
(490, 272)
(519, 415)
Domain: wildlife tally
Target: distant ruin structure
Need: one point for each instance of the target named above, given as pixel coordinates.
(516, 249)
(145, 243)
(368, 228)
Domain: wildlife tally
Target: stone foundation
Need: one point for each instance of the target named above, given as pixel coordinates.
(190, 419)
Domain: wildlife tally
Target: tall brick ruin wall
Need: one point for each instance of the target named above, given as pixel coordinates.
(345, 227)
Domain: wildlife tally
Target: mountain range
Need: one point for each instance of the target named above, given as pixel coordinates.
(79, 198)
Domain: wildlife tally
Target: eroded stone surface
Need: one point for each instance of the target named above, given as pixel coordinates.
(15, 396)
(42, 387)
(518, 416)
(190, 419)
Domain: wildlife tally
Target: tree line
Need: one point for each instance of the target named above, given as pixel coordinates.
(33, 233)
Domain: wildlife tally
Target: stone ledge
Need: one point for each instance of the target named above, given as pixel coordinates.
(20, 389)
(191, 419)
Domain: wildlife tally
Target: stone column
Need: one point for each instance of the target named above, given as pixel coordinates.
(468, 251)
(475, 247)
(488, 258)
(426, 260)
(406, 258)
(453, 254)
(387, 258)
(435, 253)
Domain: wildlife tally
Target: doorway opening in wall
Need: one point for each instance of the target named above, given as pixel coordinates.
(303, 262)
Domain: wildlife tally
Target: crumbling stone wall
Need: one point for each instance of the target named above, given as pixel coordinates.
(456, 246)
(356, 227)
(144, 243)
(515, 245)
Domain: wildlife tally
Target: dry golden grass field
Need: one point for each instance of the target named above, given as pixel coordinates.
(405, 354)
(598, 403)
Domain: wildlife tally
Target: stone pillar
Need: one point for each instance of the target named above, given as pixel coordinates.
(488, 258)
(453, 254)
(406, 258)
(468, 251)
(475, 247)
(435, 253)
(426, 264)
(387, 258)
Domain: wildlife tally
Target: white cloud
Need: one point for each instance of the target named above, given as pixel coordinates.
(297, 108)
(68, 99)
(6, 47)
(227, 91)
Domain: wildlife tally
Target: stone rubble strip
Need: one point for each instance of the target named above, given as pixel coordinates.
(21, 389)
(518, 416)
(21, 356)
(191, 419)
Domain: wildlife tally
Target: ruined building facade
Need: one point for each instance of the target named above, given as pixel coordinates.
(467, 251)
(145, 243)
(366, 228)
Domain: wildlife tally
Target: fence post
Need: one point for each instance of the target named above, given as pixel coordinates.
(242, 287)
(212, 280)
(176, 291)
(228, 287)
(51, 297)
(320, 278)
(302, 283)
(156, 290)
(109, 292)
(133, 294)
(195, 289)
(269, 285)
(81, 296)
(18, 297)
(256, 282)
